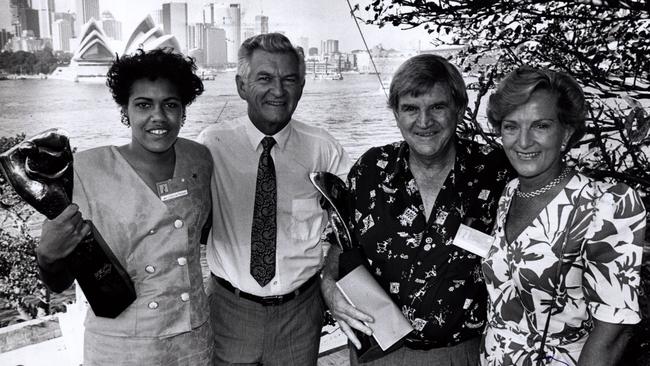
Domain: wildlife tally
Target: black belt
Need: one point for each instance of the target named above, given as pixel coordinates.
(419, 344)
(266, 300)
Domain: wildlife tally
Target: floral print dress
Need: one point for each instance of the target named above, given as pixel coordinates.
(599, 277)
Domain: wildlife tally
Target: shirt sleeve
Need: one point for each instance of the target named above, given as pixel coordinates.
(613, 256)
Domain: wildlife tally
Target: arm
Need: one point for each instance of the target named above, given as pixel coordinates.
(345, 314)
(59, 238)
(611, 279)
(605, 344)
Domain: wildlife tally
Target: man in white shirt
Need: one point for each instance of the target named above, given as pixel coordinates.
(264, 251)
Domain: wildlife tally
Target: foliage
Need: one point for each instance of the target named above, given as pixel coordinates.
(21, 62)
(19, 282)
(604, 44)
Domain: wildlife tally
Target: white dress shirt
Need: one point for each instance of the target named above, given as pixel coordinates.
(300, 149)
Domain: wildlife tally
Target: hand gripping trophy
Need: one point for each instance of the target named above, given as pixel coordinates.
(40, 170)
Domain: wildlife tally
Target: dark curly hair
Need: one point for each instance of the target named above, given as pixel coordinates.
(152, 65)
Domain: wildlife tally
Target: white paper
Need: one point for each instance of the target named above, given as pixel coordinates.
(473, 240)
(362, 291)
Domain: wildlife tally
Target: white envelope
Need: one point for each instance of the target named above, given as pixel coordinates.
(363, 291)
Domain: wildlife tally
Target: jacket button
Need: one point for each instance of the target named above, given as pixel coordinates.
(178, 224)
(150, 269)
(428, 240)
(182, 261)
(153, 305)
(185, 297)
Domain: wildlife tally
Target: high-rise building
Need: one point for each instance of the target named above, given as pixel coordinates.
(157, 16)
(330, 46)
(61, 34)
(28, 21)
(112, 28)
(261, 24)
(304, 43)
(247, 32)
(67, 16)
(175, 22)
(86, 10)
(16, 12)
(208, 14)
(216, 51)
(313, 51)
(229, 19)
(45, 10)
(6, 26)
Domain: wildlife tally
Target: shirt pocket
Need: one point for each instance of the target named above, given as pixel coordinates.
(306, 219)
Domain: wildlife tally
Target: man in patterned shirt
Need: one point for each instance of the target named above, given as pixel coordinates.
(408, 200)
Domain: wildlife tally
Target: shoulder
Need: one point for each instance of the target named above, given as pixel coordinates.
(616, 196)
(193, 151)
(218, 131)
(92, 156)
(384, 157)
(313, 134)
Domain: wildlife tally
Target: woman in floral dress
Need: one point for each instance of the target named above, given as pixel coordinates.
(565, 244)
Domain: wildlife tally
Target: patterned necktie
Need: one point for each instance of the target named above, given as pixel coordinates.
(264, 232)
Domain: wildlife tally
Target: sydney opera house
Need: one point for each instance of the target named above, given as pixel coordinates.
(94, 54)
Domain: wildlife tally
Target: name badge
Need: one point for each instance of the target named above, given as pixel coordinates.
(171, 188)
(473, 240)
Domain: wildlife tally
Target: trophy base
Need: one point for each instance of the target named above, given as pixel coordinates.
(107, 286)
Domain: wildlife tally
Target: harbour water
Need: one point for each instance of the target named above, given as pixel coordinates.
(353, 110)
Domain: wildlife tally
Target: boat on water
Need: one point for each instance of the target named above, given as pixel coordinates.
(328, 76)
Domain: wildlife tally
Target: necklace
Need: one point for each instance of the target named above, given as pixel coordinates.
(544, 189)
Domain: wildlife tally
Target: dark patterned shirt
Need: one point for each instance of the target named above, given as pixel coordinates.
(437, 285)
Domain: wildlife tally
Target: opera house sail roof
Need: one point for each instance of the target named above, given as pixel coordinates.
(94, 54)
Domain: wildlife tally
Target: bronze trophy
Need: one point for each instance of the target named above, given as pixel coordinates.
(40, 171)
(355, 281)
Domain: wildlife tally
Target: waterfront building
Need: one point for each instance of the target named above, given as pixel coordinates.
(27, 42)
(147, 35)
(112, 27)
(216, 50)
(45, 10)
(95, 55)
(61, 35)
(92, 57)
(261, 24)
(228, 18)
(175, 22)
(86, 10)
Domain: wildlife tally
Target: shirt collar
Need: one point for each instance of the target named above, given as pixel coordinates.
(255, 136)
(403, 158)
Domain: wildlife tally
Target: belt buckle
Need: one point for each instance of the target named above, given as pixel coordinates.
(272, 300)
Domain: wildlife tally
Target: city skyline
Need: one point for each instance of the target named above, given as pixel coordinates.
(317, 20)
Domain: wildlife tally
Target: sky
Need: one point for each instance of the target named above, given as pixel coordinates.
(316, 19)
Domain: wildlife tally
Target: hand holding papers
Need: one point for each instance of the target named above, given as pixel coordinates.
(357, 284)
